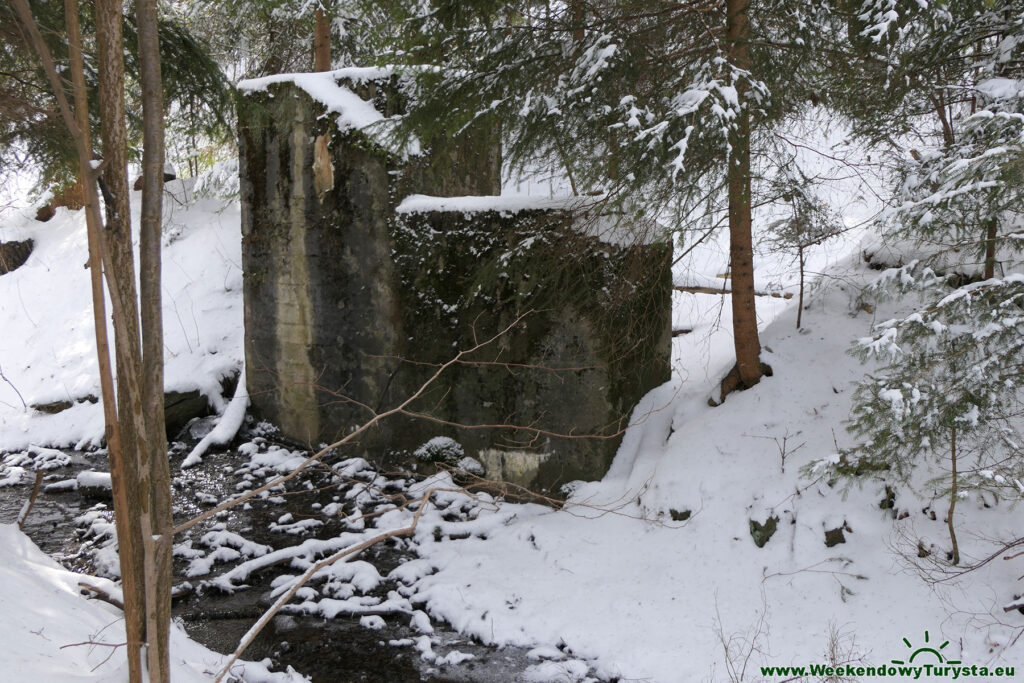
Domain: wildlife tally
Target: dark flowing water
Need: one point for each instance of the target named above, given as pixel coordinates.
(327, 650)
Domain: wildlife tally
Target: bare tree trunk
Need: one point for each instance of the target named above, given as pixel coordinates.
(800, 302)
(121, 482)
(119, 262)
(323, 166)
(741, 252)
(123, 475)
(952, 497)
(154, 471)
(578, 15)
(322, 41)
(947, 127)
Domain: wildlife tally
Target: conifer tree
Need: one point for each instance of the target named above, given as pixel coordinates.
(955, 367)
(33, 136)
(652, 105)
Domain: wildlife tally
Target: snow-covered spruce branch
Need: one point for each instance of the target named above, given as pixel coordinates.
(954, 368)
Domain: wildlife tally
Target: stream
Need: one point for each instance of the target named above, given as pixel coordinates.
(326, 650)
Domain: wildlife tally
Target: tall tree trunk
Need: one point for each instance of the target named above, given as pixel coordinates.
(322, 41)
(123, 473)
(741, 252)
(578, 15)
(323, 166)
(119, 262)
(154, 471)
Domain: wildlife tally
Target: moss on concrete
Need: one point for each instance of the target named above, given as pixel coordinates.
(349, 306)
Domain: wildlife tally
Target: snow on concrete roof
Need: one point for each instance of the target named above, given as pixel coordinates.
(612, 227)
(353, 112)
(506, 204)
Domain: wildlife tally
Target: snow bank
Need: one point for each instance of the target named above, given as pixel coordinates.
(999, 88)
(47, 349)
(228, 425)
(51, 634)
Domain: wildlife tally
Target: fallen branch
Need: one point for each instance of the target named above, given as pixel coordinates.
(93, 642)
(27, 507)
(102, 594)
(305, 578)
(712, 290)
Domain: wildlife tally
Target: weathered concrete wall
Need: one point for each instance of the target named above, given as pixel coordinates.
(594, 338)
(350, 306)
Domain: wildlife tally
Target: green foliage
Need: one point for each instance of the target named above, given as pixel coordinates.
(957, 364)
(809, 220)
(953, 369)
(950, 197)
(32, 133)
(630, 98)
(258, 38)
(895, 65)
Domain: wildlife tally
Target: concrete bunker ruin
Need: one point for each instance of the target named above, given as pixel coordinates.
(366, 269)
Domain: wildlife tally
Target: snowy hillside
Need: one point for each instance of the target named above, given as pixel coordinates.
(84, 642)
(654, 573)
(620, 580)
(48, 349)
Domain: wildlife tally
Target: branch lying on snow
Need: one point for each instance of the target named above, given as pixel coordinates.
(227, 427)
(309, 547)
(103, 594)
(1015, 605)
(698, 289)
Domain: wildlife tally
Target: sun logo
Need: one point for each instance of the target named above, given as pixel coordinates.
(925, 649)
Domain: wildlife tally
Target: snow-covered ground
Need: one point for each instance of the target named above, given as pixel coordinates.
(651, 574)
(47, 344)
(615, 581)
(51, 634)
